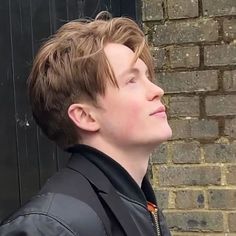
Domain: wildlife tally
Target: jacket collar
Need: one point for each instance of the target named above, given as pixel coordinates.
(105, 189)
(115, 173)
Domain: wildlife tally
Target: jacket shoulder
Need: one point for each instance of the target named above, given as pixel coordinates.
(54, 214)
(34, 224)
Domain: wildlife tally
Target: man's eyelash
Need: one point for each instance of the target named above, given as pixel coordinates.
(132, 80)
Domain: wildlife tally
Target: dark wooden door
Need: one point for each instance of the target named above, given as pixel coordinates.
(27, 157)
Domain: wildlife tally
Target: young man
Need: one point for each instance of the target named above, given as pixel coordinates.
(92, 92)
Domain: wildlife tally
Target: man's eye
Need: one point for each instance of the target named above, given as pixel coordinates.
(133, 80)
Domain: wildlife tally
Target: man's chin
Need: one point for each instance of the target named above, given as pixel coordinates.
(164, 137)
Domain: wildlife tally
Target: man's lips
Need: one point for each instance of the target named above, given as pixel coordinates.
(160, 110)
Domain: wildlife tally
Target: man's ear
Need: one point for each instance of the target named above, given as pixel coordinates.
(83, 117)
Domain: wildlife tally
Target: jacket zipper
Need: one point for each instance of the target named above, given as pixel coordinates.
(155, 217)
(153, 211)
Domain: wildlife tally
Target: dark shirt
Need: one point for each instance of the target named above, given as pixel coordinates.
(118, 176)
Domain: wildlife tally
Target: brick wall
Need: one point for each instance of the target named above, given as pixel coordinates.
(194, 174)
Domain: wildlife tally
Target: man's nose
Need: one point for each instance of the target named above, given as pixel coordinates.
(154, 91)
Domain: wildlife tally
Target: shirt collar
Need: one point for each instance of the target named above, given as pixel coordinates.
(117, 175)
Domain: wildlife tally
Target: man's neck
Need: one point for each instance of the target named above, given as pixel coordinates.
(133, 160)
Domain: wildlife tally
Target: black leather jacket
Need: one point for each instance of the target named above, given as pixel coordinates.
(92, 196)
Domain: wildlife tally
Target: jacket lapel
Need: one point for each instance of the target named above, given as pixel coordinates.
(121, 213)
(107, 192)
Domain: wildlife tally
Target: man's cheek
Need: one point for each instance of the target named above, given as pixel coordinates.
(130, 123)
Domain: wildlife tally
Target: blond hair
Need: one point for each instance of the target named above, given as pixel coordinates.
(72, 66)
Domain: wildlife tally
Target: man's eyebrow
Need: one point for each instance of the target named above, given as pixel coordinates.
(132, 70)
(129, 71)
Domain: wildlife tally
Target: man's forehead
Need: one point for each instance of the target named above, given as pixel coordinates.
(122, 59)
(117, 50)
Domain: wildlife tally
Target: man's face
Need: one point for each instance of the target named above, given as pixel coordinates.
(131, 115)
